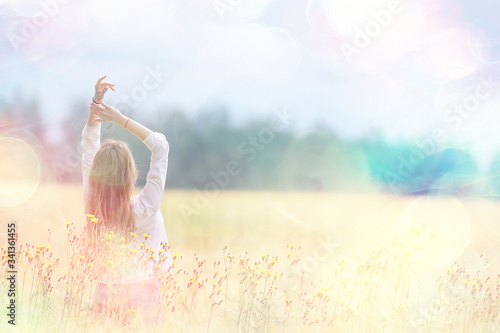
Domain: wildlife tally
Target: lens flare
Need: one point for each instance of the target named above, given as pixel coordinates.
(444, 218)
(468, 104)
(20, 171)
(483, 45)
(27, 8)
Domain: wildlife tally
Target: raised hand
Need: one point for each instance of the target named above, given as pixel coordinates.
(107, 113)
(101, 88)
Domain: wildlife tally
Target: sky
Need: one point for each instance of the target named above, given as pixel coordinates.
(401, 68)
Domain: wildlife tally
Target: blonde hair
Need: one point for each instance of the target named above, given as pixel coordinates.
(112, 178)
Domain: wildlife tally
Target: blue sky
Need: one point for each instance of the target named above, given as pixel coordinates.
(397, 67)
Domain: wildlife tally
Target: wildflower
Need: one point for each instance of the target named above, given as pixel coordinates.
(110, 262)
(146, 235)
(133, 235)
(90, 265)
(123, 240)
(175, 255)
(94, 220)
(90, 215)
(67, 224)
(263, 256)
(81, 257)
(134, 250)
(161, 250)
(48, 247)
(215, 283)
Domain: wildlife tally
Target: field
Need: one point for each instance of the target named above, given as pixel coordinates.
(287, 262)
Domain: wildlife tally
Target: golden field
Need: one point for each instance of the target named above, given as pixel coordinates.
(293, 262)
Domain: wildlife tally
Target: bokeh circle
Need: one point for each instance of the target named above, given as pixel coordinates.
(20, 171)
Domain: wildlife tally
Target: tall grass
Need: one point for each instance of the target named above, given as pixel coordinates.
(241, 293)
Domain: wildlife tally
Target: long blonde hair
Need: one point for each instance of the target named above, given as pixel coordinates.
(112, 179)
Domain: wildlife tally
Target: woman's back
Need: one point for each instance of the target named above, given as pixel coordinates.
(149, 237)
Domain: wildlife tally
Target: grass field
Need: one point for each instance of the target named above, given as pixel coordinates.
(292, 262)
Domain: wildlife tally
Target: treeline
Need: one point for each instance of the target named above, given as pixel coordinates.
(209, 152)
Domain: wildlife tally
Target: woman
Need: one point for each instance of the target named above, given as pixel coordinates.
(109, 176)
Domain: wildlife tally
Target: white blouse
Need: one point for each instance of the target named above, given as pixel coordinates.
(145, 205)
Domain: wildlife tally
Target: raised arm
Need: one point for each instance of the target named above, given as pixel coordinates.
(100, 90)
(107, 113)
(91, 134)
(149, 200)
(91, 142)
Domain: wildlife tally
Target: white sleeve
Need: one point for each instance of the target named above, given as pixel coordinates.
(149, 200)
(91, 142)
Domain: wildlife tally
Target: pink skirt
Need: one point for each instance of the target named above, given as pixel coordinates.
(123, 302)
